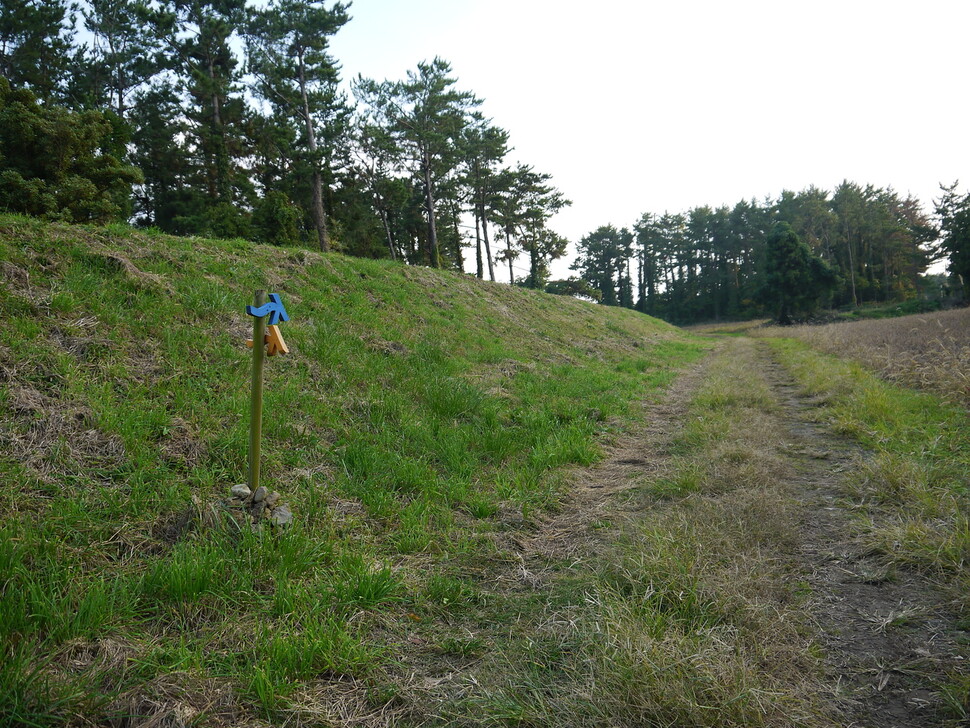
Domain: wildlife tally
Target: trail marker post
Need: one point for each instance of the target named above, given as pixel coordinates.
(270, 343)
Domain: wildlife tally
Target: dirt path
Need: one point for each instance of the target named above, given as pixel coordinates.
(597, 493)
(886, 637)
(799, 612)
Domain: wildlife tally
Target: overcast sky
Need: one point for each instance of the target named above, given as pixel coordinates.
(648, 106)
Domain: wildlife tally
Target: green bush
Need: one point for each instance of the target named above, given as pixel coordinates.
(62, 165)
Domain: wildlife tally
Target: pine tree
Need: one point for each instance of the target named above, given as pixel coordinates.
(53, 161)
(123, 55)
(483, 148)
(425, 115)
(794, 279)
(602, 262)
(287, 44)
(198, 39)
(953, 212)
(170, 197)
(35, 46)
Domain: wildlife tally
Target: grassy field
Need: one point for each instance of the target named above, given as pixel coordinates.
(680, 605)
(727, 327)
(927, 351)
(422, 423)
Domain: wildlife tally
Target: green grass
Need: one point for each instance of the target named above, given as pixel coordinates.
(420, 416)
(888, 310)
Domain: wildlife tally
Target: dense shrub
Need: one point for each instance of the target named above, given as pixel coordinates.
(60, 164)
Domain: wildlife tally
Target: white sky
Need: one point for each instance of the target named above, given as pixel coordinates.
(650, 106)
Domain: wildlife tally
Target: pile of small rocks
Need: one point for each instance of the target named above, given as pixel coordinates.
(261, 505)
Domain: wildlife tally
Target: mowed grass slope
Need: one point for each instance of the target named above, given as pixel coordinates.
(421, 419)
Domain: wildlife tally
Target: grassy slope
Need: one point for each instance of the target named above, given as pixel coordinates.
(421, 418)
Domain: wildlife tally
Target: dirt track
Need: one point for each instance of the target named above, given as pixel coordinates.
(885, 640)
(885, 634)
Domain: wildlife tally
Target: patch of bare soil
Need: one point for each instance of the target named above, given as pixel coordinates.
(51, 436)
(887, 637)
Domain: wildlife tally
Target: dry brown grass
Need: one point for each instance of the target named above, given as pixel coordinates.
(726, 327)
(927, 351)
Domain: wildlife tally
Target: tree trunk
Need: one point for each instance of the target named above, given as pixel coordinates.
(429, 202)
(508, 243)
(459, 257)
(319, 216)
(641, 303)
(479, 268)
(651, 279)
(533, 266)
(387, 232)
(220, 190)
(718, 278)
(855, 299)
(488, 248)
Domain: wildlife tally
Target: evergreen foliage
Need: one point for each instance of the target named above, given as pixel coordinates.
(794, 279)
(287, 46)
(573, 286)
(233, 113)
(953, 211)
(234, 116)
(602, 263)
(61, 165)
(710, 264)
(425, 117)
(276, 220)
(35, 46)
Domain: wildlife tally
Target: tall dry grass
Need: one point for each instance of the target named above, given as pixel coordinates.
(926, 351)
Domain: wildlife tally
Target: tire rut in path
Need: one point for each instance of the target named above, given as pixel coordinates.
(885, 632)
(634, 456)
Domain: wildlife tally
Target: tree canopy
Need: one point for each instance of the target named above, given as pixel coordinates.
(794, 279)
(234, 115)
(865, 245)
(953, 210)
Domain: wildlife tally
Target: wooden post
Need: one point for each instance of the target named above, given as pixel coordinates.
(256, 411)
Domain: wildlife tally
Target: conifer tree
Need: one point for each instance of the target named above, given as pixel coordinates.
(198, 40)
(953, 212)
(794, 279)
(54, 163)
(287, 44)
(169, 197)
(122, 56)
(426, 116)
(601, 261)
(35, 46)
(484, 146)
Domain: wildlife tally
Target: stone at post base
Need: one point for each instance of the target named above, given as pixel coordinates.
(281, 516)
(256, 508)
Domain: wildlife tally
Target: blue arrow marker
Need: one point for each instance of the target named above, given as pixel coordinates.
(275, 309)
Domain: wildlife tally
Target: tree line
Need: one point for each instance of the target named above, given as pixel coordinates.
(862, 244)
(214, 117)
